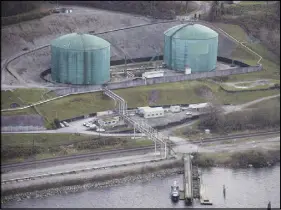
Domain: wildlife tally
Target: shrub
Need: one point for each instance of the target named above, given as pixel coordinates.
(57, 123)
(266, 117)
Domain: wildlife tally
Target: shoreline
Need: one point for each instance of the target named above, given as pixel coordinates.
(105, 178)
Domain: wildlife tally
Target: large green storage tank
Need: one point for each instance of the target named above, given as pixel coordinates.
(80, 59)
(192, 45)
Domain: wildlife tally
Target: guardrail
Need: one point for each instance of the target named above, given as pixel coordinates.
(79, 171)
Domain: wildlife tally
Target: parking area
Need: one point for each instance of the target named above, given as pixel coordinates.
(77, 126)
(169, 117)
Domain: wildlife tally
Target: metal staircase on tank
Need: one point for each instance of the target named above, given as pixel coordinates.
(141, 126)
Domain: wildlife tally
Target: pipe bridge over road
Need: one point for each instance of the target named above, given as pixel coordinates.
(141, 126)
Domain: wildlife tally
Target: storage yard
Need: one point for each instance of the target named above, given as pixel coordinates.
(123, 44)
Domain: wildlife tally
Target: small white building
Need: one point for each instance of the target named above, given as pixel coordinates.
(175, 109)
(140, 110)
(108, 121)
(152, 74)
(202, 107)
(187, 70)
(153, 112)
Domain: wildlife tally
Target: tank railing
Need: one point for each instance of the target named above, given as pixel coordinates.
(141, 126)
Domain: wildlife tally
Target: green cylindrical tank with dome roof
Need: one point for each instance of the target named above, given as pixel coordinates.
(192, 45)
(81, 59)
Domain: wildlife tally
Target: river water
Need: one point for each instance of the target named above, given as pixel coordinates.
(252, 188)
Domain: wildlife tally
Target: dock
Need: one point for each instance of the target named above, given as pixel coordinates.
(187, 180)
(193, 188)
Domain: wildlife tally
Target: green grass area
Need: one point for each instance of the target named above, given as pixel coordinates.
(267, 103)
(19, 147)
(236, 30)
(270, 62)
(168, 93)
(24, 96)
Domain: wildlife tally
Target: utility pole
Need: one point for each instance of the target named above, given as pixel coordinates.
(33, 144)
(126, 74)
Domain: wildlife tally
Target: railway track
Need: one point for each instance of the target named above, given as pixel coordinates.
(119, 151)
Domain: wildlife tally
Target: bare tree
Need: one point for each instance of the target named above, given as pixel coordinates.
(222, 9)
(212, 13)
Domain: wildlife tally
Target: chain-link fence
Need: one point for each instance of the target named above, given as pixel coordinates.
(22, 128)
(80, 89)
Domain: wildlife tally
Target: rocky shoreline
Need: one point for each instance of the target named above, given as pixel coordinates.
(40, 194)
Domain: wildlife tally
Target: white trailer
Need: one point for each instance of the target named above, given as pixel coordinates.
(153, 112)
(152, 74)
(175, 109)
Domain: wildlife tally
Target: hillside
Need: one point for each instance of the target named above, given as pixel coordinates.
(261, 20)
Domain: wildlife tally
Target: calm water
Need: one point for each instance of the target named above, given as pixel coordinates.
(244, 188)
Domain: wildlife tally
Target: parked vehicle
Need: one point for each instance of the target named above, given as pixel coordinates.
(66, 124)
(100, 130)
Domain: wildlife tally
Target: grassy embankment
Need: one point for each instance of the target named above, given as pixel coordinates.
(270, 61)
(21, 147)
(24, 96)
(261, 20)
(173, 93)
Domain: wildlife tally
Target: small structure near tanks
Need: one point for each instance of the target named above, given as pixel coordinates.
(109, 121)
(202, 107)
(149, 112)
(152, 74)
(175, 109)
